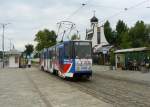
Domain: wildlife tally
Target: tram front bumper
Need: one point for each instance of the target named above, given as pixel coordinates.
(82, 73)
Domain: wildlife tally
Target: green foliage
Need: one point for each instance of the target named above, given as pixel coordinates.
(29, 49)
(1, 54)
(121, 28)
(124, 37)
(125, 40)
(147, 43)
(36, 55)
(108, 32)
(138, 34)
(74, 37)
(114, 37)
(45, 39)
(112, 57)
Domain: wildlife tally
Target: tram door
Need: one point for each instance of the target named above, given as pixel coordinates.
(50, 59)
(61, 54)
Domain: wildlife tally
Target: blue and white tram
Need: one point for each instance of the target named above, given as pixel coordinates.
(68, 59)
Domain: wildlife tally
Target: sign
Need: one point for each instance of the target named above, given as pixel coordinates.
(104, 50)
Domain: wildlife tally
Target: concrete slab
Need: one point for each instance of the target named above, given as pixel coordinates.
(33, 88)
(133, 76)
(61, 94)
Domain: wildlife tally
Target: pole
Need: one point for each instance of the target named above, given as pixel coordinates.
(3, 44)
(3, 26)
(10, 43)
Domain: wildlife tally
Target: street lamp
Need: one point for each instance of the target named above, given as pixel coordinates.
(10, 42)
(3, 26)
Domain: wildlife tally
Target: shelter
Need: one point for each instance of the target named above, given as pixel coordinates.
(132, 58)
(13, 58)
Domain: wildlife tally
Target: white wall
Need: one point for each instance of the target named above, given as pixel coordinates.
(12, 63)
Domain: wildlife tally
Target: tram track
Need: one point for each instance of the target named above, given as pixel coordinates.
(114, 93)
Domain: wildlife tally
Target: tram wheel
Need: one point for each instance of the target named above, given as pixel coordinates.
(87, 77)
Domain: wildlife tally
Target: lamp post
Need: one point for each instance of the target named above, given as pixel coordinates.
(3, 26)
(10, 42)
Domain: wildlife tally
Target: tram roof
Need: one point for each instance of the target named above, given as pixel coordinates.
(45, 49)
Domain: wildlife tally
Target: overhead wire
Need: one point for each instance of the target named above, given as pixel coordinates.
(103, 6)
(138, 4)
(70, 16)
(124, 10)
(76, 11)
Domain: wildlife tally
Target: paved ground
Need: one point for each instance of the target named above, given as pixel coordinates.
(120, 88)
(133, 76)
(1, 65)
(34, 88)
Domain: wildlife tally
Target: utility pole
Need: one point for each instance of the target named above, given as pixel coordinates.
(3, 26)
(10, 40)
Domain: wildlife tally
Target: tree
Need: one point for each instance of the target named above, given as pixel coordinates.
(125, 40)
(138, 34)
(108, 32)
(29, 49)
(74, 37)
(147, 42)
(1, 54)
(112, 57)
(121, 28)
(45, 39)
(124, 37)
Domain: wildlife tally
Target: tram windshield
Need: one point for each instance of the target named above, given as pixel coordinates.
(82, 50)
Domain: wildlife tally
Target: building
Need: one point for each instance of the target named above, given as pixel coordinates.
(99, 43)
(96, 34)
(13, 57)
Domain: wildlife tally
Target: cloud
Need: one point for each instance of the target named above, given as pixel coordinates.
(29, 16)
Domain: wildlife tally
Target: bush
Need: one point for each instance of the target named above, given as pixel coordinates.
(112, 57)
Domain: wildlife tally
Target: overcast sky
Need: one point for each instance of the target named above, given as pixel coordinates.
(29, 16)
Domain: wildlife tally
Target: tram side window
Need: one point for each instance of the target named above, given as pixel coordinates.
(44, 55)
(67, 50)
(50, 54)
(53, 53)
(57, 53)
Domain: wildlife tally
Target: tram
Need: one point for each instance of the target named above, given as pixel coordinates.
(68, 59)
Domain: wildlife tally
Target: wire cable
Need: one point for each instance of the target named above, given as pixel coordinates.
(124, 10)
(75, 12)
(103, 6)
